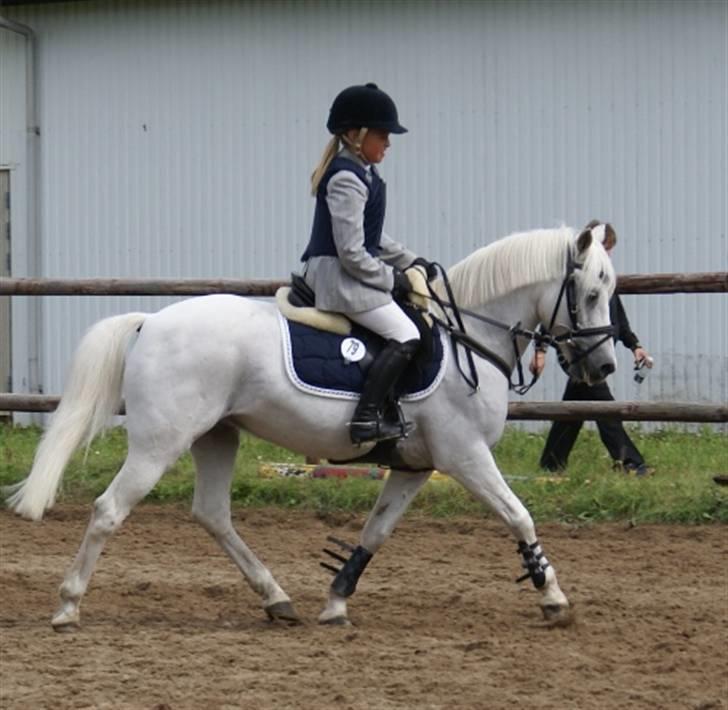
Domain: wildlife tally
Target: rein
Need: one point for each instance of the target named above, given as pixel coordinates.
(460, 337)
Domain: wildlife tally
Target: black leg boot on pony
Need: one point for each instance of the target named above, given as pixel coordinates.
(368, 423)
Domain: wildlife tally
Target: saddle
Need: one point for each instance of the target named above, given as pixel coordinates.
(297, 303)
(327, 354)
(301, 294)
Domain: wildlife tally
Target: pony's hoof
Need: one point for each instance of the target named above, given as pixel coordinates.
(283, 612)
(335, 621)
(557, 614)
(66, 628)
(63, 622)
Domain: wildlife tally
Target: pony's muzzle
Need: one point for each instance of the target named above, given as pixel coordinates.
(607, 369)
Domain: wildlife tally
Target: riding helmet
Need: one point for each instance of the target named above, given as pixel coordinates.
(364, 106)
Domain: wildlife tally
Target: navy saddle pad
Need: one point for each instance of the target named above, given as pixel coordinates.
(336, 365)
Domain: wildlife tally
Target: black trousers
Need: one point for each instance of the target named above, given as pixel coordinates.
(562, 436)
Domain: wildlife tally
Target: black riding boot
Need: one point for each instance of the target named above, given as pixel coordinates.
(368, 423)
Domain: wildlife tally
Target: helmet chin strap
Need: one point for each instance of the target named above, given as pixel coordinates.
(355, 145)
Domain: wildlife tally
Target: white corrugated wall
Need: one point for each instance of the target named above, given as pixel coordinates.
(15, 158)
(177, 140)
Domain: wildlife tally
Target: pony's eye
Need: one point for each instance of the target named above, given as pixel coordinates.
(592, 297)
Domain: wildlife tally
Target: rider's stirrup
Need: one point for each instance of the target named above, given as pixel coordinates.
(371, 425)
(379, 429)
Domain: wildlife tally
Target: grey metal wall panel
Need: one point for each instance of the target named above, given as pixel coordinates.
(13, 158)
(12, 98)
(5, 271)
(178, 139)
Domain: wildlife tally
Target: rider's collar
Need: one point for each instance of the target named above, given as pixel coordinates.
(349, 155)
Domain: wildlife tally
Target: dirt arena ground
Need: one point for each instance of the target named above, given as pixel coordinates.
(439, 623)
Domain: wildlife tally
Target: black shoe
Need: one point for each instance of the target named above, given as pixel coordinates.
(638, 470)
(552, 465)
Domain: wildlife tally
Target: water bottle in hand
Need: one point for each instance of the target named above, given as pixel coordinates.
(641, 369)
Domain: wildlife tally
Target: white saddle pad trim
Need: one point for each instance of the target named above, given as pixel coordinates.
(343, 394)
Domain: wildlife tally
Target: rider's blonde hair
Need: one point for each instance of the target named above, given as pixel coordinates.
(330, 152)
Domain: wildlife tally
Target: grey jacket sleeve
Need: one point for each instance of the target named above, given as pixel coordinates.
(394, 254)
(346, 196)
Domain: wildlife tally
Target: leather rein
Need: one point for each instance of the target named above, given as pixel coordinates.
(456, 328)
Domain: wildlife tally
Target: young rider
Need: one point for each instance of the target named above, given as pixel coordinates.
(352, 266)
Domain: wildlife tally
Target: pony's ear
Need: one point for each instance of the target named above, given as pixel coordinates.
(610, 236)
(583, 241)
(603, 232)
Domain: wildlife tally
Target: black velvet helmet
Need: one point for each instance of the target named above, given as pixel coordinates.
(363, 107)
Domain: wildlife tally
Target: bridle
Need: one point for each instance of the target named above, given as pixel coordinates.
(455, 327)
(568, 287)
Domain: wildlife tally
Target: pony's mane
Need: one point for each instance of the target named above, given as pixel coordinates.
(521, 259)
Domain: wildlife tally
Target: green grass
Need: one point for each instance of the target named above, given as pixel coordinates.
(681, 489)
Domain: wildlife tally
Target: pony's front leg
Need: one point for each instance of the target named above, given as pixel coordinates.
(398, 491)
(476, 470)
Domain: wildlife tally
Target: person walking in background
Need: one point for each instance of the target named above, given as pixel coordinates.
(562, 435)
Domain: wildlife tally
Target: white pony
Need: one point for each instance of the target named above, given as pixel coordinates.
(196, 373)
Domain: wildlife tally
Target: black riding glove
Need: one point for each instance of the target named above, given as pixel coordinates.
(402, 285)
(429, 266)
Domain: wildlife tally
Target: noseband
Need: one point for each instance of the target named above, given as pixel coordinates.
(460, 337)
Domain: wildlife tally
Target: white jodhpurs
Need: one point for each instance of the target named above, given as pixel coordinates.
(389, 321)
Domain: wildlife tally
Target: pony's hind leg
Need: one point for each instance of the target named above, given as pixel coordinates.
(398, 492)
(136, 478)
(214, 455)
(478, 473)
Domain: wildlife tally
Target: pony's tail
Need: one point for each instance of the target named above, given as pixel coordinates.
(92, 395)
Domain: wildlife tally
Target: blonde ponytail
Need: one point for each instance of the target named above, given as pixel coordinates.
(332, 148)
(330, 152)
